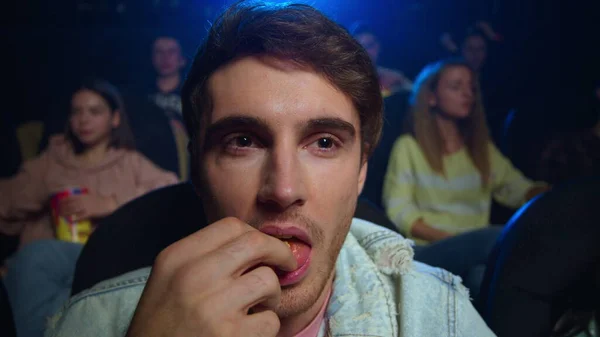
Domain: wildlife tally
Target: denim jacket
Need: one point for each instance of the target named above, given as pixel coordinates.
(378, 291)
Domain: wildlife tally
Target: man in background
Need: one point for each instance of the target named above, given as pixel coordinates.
(395, 88)
(168, 62)
(158, 126)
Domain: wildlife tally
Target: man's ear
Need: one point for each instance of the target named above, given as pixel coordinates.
(362, 174)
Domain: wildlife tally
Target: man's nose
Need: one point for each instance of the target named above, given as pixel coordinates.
(283, 179)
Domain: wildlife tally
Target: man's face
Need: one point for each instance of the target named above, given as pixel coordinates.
(166, 56)
(475, 52)
(283, 148)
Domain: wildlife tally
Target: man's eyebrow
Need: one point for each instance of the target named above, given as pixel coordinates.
(235, 122)
(330, 123)
(230, 123)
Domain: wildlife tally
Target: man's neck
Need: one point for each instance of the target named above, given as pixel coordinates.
(293, 325)
(169, 83)
(450, 134)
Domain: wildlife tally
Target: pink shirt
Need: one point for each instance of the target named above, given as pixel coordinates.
(312, 330)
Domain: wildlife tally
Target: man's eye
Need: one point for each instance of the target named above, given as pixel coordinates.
(242, 141)
(325, 143)
(239, 144)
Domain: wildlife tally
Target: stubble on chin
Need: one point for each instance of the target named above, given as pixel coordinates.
(300, 298)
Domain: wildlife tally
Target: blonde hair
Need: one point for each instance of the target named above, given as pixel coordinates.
(422, 122)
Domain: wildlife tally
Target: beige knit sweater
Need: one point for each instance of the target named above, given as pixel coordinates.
(25, 198)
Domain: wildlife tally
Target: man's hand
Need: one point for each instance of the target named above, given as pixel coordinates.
(86, 206)
(205, 285)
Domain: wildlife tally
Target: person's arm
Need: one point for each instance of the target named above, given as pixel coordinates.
(536, 190)
(23, 195)
(509, 186)
(423, 231)
(198, 286)
(398, 195)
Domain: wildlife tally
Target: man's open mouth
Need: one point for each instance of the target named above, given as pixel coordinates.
(301, 248)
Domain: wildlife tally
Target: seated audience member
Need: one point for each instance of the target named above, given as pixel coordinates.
(168, 62)
(156, 120)
(442, 175)
(279, 160)
(474, 44)
(395, 88)
(391, 81)
(97, 153)
(481, 48)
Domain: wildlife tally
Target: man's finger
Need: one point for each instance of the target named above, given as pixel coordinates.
(257, 287)
(248, 251)
(201, 243)
(252, 249)
(264, 324)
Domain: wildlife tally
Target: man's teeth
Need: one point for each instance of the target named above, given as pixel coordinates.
(285, 237)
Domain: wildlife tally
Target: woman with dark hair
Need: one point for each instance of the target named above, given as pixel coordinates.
(96, 153)
(120, 134)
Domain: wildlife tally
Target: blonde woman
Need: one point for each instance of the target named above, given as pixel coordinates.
(443, 173)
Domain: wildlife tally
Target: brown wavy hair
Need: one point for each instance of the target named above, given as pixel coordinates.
(295, 32)
(422, 124)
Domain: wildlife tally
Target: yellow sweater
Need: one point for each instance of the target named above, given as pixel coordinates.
(456, 203)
